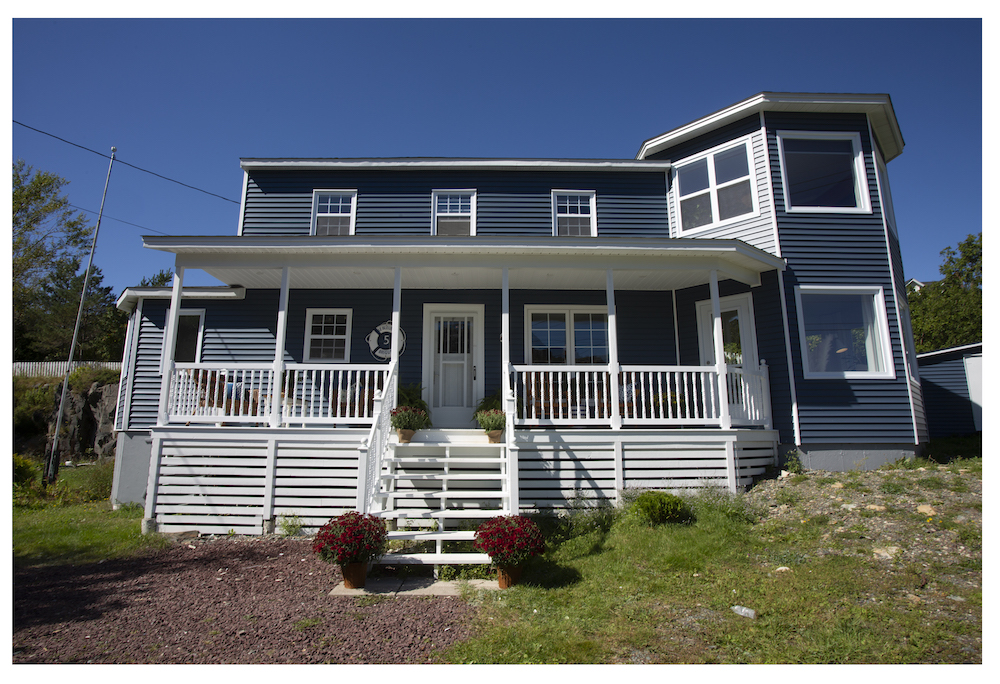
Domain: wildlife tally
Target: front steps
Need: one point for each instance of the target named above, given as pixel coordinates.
(436, 490)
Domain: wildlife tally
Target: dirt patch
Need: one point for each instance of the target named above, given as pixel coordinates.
(242, 600)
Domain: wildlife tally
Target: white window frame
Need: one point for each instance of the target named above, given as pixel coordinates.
(713, 187)
(471, 193)
(569, 311)
(315, 209)
(861, 190)
(306, 358)
(880, 326)
(743, 304)
(591, 194)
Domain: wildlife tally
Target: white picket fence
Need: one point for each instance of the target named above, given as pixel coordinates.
(57, 369)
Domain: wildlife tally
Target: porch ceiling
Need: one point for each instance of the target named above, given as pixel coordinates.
(469, 263)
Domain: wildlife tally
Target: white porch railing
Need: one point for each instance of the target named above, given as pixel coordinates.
(378, 440)
(312, 394)
(648, 395)
(220, 392)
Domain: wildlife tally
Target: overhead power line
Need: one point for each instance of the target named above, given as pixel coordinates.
(136, 225)
(137, 168)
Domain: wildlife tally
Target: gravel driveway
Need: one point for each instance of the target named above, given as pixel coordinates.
(240, 600)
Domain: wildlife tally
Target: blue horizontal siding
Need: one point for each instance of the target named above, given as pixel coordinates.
(847, 250)
(946, 393)
(515, 202)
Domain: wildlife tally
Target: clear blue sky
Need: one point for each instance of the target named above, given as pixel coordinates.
(187, 98)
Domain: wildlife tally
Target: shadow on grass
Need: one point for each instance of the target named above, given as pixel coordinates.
(546, 574)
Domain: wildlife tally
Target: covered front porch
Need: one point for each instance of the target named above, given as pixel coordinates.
(580, 422)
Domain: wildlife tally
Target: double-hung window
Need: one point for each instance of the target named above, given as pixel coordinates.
(454, 212)
(574, 213)
(327, 336)
(560, 335)
(844, 332)
(823, 172)
(716, 188)
(334, 212)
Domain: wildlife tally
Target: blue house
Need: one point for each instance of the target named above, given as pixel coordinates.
(675, 320)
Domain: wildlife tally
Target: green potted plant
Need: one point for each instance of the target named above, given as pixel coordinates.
(510, 540)
(493, 422)
(406, 420)
(352, 541)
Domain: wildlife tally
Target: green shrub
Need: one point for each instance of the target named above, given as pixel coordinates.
(26, 471)
(657, 508)
(82, 378)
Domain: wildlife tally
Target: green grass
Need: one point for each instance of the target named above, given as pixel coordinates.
(72, 522)
(612, 590)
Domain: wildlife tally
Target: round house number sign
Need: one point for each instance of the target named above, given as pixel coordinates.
(380, 341)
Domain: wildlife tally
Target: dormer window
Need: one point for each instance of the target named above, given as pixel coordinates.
(454, 213)
(334, 212)
(574, 213)
(716, 188)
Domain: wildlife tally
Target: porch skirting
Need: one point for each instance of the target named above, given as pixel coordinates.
(243, 480)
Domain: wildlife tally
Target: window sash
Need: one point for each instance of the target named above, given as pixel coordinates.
(453, 213)
(327, 336)
(574, 213)
(334, 212)
(823, 172)
(567, 335)
(843, 333)
(716, 188)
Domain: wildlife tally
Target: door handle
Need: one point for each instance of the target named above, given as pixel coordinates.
(473, 372)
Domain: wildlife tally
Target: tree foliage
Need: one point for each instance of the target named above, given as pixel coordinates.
(949, 312)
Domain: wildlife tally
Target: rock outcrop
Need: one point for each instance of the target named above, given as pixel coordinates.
(88, 426)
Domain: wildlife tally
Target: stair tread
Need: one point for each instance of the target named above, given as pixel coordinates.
(434, 559)
(450, 513)
(444, 476)
(437, 534)
(441, 494)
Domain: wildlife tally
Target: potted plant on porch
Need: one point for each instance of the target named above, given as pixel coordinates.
(352, 541)
(510, 540)
(406, 420)
(493, 422)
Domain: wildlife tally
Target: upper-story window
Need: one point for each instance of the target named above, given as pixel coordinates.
(716, 188)
(823, 172)
(574, 213)
(334, 212)
(454, 212)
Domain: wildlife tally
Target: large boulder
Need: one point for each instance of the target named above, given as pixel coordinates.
(88, 425)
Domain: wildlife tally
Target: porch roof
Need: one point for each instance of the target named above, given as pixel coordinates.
(468, 263)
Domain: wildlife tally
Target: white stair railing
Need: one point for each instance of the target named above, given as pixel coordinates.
(377, 446)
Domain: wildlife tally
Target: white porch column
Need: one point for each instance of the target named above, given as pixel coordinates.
(725, 420)
(613, 365)
(507, 394)
(279, 348)
(169, 342)
(397, 292)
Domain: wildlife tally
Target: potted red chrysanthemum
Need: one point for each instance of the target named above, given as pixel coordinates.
(510, 540)
(352, 541)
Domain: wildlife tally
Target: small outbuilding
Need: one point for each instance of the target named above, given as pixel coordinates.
(952, 383)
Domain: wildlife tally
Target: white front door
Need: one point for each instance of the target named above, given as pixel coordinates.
(739, 339)
(453, 362)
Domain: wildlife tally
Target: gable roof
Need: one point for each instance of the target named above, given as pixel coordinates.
(878, 107)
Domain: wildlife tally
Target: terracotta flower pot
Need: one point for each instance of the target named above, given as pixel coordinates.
(354, 575)
(495, 436)
(508, 576)
(405, 435)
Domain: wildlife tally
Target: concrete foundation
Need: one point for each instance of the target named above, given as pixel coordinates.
(846, 457)
(132, 455)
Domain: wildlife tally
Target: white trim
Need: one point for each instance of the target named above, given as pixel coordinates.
(861, 190)
(770, 193)
(459, 164)
(307, 335)
(796, 429)
(951, 350)
(569, 310)
(478, 312)
(713, 188)
(742, 302)
(132, 296)
(243, 202)
(880, 325)
(592, 194)
(352, 193)
(471, 192)
(677, 332)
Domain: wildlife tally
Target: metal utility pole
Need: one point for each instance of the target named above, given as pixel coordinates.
(52, 467)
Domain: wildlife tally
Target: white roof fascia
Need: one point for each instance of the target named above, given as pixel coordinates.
(877, 106)
(458, 164)
(951, 350)
(128, 299)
